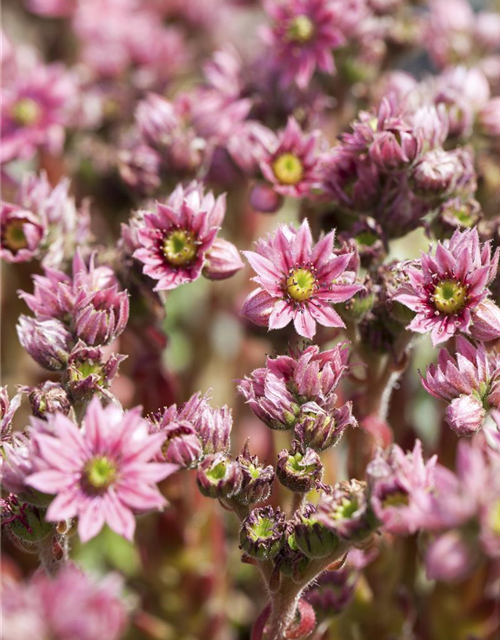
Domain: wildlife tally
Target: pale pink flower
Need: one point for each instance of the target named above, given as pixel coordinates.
(101, 473)
(298, 281)
(444, 289)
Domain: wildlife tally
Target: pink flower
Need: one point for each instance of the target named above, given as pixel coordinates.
(69, 606)
(291, 163)
(444, 289)
(21, 233)
(175, 240)
(395, 480)
(470, 382)
(302, 37)
(101, 473)
(299, 282)
(35, 110)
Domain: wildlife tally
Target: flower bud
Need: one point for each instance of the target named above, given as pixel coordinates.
(47, 341)
(489, 118)
(290, 560)
(465, 415)
(264, 198)
(25, 522)
(320, 431)
(182, 445)
(257, 479)
(223, 260)
(345, 510)
(213, 427)
(312, 537)
(262, 532)
(218, 476)
(299, 469)
(486, 321)
(89, 373)
(436, 173)
(50, 397)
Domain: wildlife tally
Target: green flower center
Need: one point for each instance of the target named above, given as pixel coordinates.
(296, 465)
(288, 169)
(301, 284)
(346, 509)
(25, 112)
(100, 473)
(179, 247)
(396, 499)
(216, 473)
(450, 296)
(14, 237)
(300, 30)
(464, 216)
(262, 529)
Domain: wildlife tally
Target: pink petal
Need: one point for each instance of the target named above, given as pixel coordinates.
(51, 481)
(90, 518)
(326, 315)
(118, 516)
(304, 324)
(63, 506)
(280, 315)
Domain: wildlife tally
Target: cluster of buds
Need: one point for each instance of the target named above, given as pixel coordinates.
(298, 392)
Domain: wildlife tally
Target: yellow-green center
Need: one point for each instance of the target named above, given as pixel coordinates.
(25, 112)
(288, 169)
(346, 509)
(262, 529)
(179, 248)
(450, 296)
(494, 519)
(100, 473)
(300, 30)
(396, 499)
(14, 237)
(301, 284)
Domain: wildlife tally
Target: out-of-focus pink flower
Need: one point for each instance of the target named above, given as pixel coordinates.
(291, 164)
(444, 289)
(470, 382)
(394, 479)
(301, 281)
(175, 241)
(449, 557)
(449, 31)
(36, 108)
(101, 473)
(489, 118)
(89, 303)
(52, 8)
(21, 235)
(69, 606)
(302, 36)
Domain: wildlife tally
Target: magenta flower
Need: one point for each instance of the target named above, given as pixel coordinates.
(469, 382)
(291, 163)
(101, 473)
(300, 282)
(302, 36)
(444, 289)
(175, 240)
(89, 303)
(35, 110)
(395, 481)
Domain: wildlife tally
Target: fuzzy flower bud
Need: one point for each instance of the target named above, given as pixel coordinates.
(465, 415)
(299, 469)
(311, 536)
(435, 173)
(257, 479)
(264, 198)
(47, 341)
(262, 532)
(49, 397)
(486, 322)
(182, 445)
(345, 510)
(218, 476)
(223, 260)
(321, 430)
